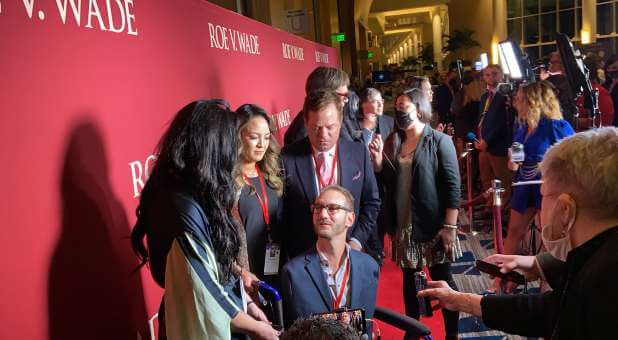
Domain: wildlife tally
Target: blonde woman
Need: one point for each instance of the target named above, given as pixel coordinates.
(538, 126)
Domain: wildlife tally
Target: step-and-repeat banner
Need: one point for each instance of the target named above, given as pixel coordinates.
(88, 86)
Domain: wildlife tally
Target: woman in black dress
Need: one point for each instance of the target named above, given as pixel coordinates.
(258, 178)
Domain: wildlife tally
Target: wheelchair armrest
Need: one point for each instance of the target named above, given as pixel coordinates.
(403, 322)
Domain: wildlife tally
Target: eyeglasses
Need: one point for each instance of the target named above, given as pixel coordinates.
(331, 208)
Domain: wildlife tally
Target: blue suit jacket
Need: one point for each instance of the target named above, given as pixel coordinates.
(497, 126)
(355, 174)
(305, 291)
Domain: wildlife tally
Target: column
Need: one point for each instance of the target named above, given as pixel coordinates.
(499, 25)
(437, 40)
(588, 33)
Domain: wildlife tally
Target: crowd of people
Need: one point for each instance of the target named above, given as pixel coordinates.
(226, 210)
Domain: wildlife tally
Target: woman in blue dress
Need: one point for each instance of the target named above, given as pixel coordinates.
(538, 126)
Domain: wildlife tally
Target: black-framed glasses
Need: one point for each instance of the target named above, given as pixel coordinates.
(331, 208)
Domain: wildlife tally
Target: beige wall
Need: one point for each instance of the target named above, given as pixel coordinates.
(476, 15)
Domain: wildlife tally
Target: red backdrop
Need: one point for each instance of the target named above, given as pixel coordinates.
(87, 89)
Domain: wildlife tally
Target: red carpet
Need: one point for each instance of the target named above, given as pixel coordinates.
(390, 295)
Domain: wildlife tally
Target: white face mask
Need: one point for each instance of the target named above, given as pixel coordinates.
(559, 248)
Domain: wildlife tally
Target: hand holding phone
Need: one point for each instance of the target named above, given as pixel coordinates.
(494, 270)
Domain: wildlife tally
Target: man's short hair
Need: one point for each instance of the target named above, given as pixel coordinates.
(319, 100)
(319, 328)
(494, 66)
(326, 78)
(585, 166)
(349, 199)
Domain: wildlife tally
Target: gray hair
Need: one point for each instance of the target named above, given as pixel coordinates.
(586, 164)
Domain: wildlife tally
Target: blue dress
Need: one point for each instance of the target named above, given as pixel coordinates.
(548, 132)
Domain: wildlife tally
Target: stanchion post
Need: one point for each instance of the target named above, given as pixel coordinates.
(469, 174)
(496, 186)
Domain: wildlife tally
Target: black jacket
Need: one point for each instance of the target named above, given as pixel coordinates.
(435, 182)
(582, 305)
(497, 125)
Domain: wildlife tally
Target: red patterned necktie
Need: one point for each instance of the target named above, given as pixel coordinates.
(323, 175)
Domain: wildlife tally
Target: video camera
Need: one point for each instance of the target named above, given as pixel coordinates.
(516, 66)
(578, 76)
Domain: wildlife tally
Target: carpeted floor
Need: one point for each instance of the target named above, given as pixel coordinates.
(468, 279)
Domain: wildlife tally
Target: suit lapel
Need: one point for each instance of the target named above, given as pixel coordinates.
(355, 277)
(345, 163)
(314, 269)
(306, 171)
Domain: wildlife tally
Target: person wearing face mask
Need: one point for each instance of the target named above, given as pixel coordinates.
(580, 229)
(418, 166)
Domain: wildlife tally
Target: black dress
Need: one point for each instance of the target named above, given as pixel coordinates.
(255, 227)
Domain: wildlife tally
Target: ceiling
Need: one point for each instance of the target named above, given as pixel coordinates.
(393, 20)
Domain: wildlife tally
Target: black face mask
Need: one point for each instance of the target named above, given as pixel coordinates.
(613, 74)
(402, 119)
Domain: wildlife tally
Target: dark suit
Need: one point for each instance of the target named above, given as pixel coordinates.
(496, 130)
(305, 290)
(496, 125)
(355, 174)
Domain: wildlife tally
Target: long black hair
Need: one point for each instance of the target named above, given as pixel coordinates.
(197, 154)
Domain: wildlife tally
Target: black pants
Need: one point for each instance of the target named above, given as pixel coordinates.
(437, 272)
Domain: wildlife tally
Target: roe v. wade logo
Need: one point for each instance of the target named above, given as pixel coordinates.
(282, 119)
(225, 38)
(321, 57)
(292, 52)
(106, 15)
(140, 171)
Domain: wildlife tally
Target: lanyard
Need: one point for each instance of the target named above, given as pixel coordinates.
(332, 170)
(263, 201)
(490, 98)
(344, 283)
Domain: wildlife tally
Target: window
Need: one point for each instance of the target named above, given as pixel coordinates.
(607, 27)
(534, 23)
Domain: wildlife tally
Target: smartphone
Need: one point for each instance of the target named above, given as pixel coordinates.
(424, 303)
(354, 318)
(494, 270)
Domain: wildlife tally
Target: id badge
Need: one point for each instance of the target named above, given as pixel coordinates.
(271, 260)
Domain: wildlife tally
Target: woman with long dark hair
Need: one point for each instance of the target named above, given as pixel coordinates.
(258, 178)
(418, 167)
(192, 240)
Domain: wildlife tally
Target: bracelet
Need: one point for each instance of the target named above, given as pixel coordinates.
(451, 226)
(250, 302)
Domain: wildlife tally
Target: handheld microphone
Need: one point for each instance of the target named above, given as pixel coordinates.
(471, 136)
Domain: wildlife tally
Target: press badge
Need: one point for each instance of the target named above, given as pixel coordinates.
(271, 261)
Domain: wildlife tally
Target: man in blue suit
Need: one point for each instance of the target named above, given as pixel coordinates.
(495, 133)
(319, 160)
(331, 275)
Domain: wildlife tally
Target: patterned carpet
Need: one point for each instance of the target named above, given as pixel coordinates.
(468, 279)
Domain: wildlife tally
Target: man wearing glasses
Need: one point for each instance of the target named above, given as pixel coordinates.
(331, 275)
(317, 161)
(322, 78)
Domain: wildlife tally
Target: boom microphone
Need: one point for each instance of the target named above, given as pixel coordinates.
(471, 136)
